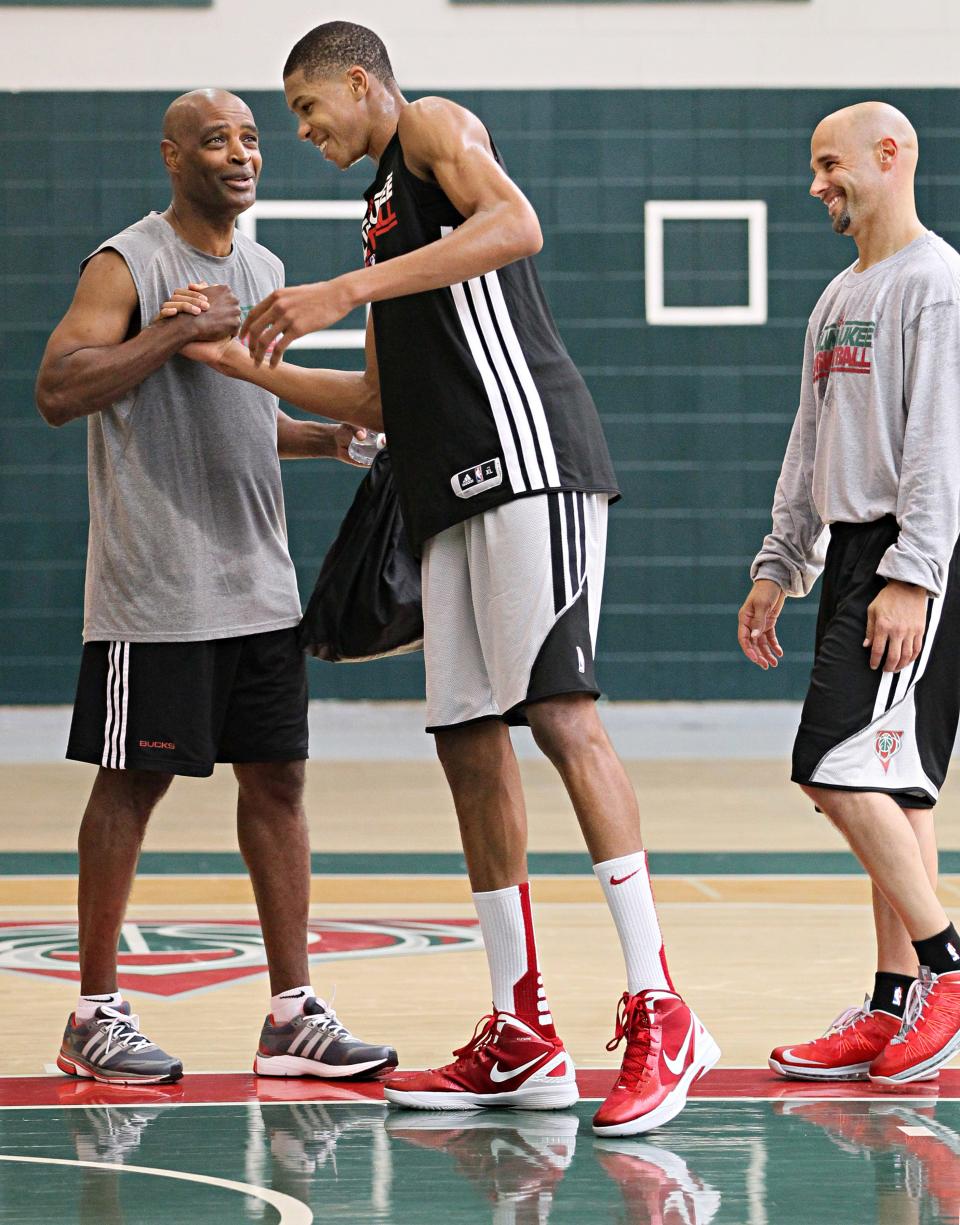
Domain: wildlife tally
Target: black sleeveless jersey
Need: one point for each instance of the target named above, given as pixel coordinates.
(481, 401)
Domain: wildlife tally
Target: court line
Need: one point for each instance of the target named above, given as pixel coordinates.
(292, 1211)
(693, 1101)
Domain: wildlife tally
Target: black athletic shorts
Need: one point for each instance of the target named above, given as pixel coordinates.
(179, 707)
(866, 730)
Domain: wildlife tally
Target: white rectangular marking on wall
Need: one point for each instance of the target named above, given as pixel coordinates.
(754, 212)
(310, 210)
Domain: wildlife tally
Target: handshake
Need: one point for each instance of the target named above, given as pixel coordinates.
(211, 316)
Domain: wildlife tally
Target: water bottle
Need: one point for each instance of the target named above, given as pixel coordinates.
(365, 451)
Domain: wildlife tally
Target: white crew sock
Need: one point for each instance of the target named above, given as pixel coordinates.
(626, 885)
(507, 925)
(87, 1005)
(289, 1004)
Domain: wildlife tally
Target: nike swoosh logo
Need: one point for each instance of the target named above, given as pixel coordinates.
(676, 1065)
(619, 880)
(498, 1076)
(99, 999)
(813, 1063)
(294, 995)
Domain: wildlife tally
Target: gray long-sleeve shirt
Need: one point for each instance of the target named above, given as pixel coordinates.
(878, 428)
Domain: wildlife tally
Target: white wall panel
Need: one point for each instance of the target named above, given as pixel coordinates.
(242, 43)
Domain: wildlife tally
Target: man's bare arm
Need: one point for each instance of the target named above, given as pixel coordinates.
(315, 439)
(89, 363)
(340, 395)
(445, 144)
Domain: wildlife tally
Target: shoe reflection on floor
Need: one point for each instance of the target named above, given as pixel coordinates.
(657, 1185)
(514, 1158)
(916, 1160)
(109, 1130)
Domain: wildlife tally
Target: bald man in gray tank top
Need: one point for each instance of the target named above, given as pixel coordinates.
(191, 599)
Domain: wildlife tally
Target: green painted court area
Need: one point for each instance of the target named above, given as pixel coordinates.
(790, 1161)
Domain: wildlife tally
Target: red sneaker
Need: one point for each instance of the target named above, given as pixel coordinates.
(930, 1036)
(505, 1063)
(845, 1052)
(667, 1050)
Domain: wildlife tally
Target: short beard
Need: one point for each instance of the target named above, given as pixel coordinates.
(841, 223)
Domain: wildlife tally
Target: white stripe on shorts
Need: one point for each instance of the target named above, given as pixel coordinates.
(115, 725)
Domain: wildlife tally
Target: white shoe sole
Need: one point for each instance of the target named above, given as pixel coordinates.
(541, 1096)
(707, 1055)
(928, 1070)
(853, 1071)
(293, 1065)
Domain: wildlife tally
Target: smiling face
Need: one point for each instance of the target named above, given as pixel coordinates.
(847, 173)
(212, 151)
(330, 113)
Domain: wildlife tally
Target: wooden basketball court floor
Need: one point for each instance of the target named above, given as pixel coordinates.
(767, 926)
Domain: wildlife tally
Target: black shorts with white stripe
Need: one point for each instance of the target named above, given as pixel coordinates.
(180, 707)
(869, 730)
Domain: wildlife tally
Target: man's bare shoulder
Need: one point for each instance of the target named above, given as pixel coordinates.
(434, 127)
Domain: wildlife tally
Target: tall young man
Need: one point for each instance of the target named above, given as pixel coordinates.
(874, 455)
(504, 479)
(189, 654)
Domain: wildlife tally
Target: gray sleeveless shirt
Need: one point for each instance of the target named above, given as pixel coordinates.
(187, 533)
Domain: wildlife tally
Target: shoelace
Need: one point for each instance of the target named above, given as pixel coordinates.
(483, 1036)
(124, 1031)
(326, 1020)
(917, 998)
(847, 1018)
(632, 1023)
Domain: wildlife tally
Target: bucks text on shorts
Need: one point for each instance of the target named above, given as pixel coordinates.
(864, 729)
(180, 707)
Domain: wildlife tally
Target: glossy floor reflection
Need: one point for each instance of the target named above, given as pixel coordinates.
(793, 1162)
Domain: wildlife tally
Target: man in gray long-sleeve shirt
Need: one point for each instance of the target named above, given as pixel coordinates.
(875, 455)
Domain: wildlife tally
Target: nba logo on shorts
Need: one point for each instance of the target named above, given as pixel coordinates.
(886, 745)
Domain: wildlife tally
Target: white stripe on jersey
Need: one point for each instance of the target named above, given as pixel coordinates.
(508, 383)
(517, 483)
(108, 723)
(551, 472)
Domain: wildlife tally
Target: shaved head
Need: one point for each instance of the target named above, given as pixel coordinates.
(187, 115)
(211, 149)
(864, 161)
(869, 123)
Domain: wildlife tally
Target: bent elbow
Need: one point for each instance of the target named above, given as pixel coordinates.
(50, 407)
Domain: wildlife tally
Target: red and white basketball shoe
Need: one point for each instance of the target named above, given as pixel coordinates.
(845, 1052)
(930, 1036)
(667, 1050)
(506, 1063)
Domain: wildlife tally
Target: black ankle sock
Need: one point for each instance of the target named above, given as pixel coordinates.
(940, 953)
(890, 993)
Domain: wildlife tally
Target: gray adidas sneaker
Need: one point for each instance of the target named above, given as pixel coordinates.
(110, 1048)
(317, 1043)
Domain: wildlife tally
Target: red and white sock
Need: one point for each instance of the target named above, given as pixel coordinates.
(626, 885)
(87, 1005)
(289, 1004)
(507, 925)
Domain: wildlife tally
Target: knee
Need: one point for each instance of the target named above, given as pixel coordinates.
(829, 802)
(567, 731)
(272, 788)
(471, 755)
(134, 793)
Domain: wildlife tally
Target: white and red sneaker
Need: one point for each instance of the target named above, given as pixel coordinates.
(845, 1052)
(506, 1063)
(667, 1050)
(930, 1035)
